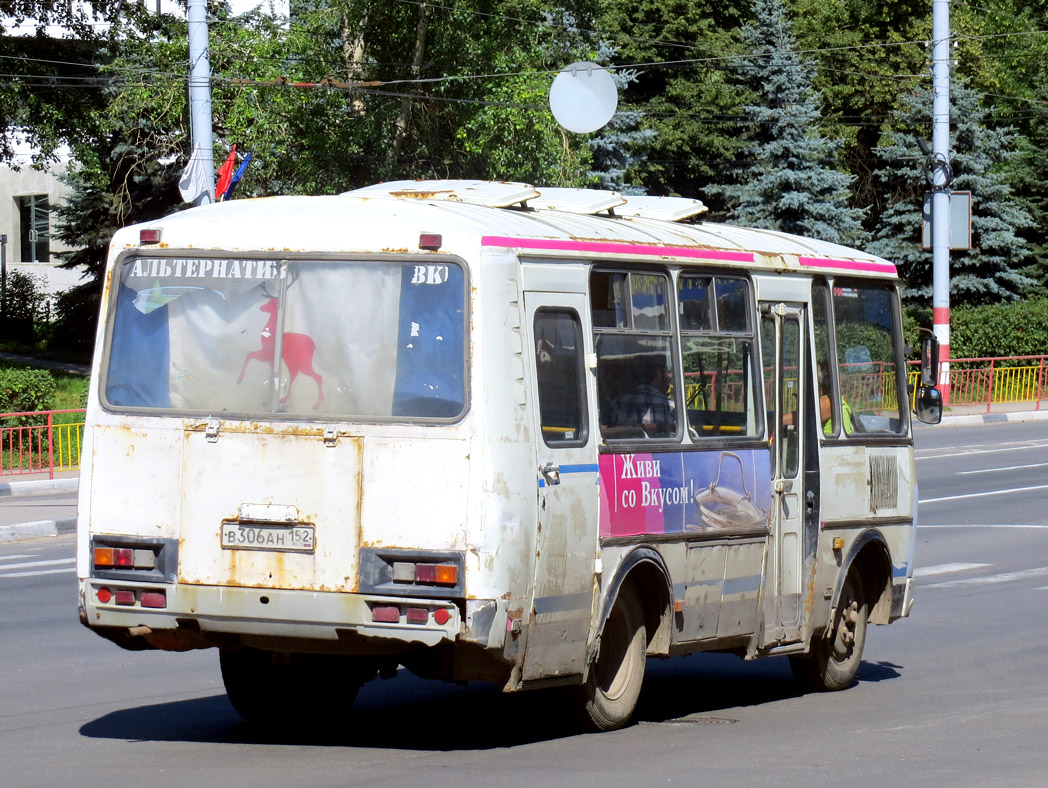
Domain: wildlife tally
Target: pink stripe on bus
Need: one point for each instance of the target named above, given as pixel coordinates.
(604, 247)
(850, 265)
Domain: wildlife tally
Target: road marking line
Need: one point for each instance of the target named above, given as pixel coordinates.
(4, 575)
(28, 564)
(982, 494)
(984, 451)
(1006, 468)
(14, 557)
(983, 525)
(989, 579)
(941, 569)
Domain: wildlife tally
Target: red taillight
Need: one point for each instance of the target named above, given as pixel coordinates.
(440, 574)
(153, 599)
(430, 241)
(386, 614)
(425, 573)
(149, 236)
(123, 556)
(418, 615)
(104, 595)
(124, 597)
(441, 616)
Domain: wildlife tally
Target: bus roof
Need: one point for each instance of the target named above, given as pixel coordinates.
(391, 217)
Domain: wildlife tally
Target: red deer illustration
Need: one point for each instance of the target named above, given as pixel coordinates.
(296, 352)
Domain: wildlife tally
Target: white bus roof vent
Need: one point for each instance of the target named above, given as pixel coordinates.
(583, 201)
(493, 194)
(667, 209)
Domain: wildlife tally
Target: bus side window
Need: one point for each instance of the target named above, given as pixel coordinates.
(633, 338)
(717, 345)
(829, 402)
(559, 374)
(868, 358)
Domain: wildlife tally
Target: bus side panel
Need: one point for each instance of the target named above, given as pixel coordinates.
(872, 488)
(702, 594)
(502, 500)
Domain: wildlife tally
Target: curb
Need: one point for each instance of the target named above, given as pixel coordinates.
(13, 533)
(39, 487)
(994, 418)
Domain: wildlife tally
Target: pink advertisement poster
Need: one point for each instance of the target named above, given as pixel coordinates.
(678, 492)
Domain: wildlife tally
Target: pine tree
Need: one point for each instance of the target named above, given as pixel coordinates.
(991, 270)
(790, 183)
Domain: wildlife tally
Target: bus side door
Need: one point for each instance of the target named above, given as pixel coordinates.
(566, 476)
(784, 332)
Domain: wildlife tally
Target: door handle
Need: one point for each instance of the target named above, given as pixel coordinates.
(784, 485)
(551, 473)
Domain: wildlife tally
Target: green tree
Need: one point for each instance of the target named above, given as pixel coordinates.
(865, 55)
(791, 183)
(990, 271)
(679, 50)
(51, 86)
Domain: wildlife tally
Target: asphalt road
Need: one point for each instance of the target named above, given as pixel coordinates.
(954, 696)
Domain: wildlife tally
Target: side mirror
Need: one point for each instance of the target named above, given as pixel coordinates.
(929, 361)
(929, 404)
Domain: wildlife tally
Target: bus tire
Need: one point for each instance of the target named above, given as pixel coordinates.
(834, 660)
(611, 690)
(266, 687)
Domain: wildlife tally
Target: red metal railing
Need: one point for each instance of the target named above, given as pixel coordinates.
(45, 446)
(996, 380)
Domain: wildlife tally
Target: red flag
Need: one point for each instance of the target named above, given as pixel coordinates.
(225, 173)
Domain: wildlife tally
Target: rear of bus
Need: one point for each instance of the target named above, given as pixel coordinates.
(277, 451)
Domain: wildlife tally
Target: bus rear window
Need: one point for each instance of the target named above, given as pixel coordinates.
(382, 340)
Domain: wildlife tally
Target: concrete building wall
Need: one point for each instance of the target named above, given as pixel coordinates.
(24, 183)
(27, 182)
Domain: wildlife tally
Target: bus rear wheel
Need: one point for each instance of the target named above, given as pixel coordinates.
(266, 687)
(834, 660)
(610, 693)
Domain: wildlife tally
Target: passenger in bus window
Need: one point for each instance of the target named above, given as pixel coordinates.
(648, 406)
(826, 404)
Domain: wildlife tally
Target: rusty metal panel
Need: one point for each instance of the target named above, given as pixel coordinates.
(743, 569)
(258, 469)
(702, 594)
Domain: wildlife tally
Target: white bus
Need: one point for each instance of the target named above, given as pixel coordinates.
(491, 432)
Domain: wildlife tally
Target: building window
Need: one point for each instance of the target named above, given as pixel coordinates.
(34, 214)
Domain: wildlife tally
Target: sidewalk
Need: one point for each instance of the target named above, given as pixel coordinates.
(36, 491)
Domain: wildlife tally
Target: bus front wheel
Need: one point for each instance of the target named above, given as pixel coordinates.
(834, 660)
(612, 688)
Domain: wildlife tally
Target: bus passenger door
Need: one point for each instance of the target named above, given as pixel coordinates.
(784, 331)
(566, 478)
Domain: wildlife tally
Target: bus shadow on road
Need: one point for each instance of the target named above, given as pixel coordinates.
(413, 714)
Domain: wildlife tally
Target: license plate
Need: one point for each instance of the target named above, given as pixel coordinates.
(275, 538)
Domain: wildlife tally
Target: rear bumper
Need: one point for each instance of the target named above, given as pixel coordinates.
(263, 612)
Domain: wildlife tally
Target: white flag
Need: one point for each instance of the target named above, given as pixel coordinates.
(197, 180)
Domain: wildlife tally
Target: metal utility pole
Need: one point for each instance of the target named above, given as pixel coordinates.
(3, 278)
(200, 95)
(940, 175)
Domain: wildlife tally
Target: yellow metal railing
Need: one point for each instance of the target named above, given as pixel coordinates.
(40, 442)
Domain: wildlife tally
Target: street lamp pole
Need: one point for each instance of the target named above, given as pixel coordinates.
(941, 175)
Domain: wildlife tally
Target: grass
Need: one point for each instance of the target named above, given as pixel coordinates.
(70, 388)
